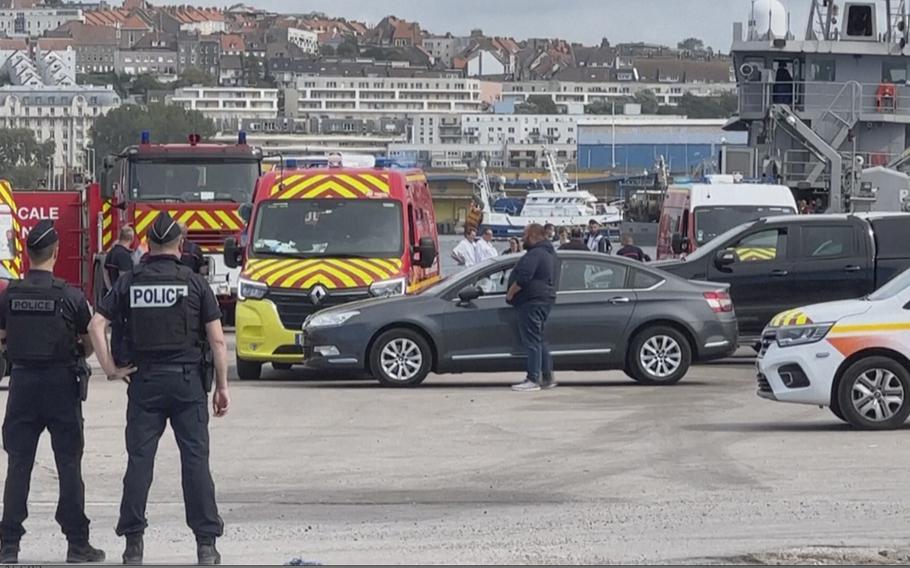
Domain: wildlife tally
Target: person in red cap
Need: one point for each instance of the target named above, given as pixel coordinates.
(170, 315)
(43, 325)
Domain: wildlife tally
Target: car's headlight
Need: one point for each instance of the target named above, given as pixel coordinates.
(329, 319)
(394, 287)
(802, 335)
(249, 290)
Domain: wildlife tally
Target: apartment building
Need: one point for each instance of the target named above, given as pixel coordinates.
(386, 96)
(34, 22)
(573, 96)
(229, 106)
(64, 115)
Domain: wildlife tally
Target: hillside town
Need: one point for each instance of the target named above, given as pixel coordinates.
(307, 83)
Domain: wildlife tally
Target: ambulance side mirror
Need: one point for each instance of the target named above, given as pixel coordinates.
(426, 252)
(246, 212)
(106, 177)
(233, 254)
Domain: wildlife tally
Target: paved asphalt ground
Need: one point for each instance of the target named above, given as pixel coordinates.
(462, 470)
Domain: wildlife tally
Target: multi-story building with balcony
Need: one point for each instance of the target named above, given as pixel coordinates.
(64, 115)
(228, 106)
(386, 96)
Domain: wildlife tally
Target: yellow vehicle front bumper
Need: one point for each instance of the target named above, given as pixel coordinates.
(262, 337)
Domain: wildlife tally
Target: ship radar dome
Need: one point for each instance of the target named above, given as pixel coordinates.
(769, 19)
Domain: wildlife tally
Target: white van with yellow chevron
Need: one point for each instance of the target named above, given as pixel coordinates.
(322, 236)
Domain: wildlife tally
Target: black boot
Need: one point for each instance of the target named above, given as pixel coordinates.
(134, 548)
(83, 553)
(9, 553)
(207, 553)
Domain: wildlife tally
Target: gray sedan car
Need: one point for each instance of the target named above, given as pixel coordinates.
(610, 313)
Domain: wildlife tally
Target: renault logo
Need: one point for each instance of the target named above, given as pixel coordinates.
(317, 295)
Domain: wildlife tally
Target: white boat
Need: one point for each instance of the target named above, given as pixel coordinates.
(563, 206)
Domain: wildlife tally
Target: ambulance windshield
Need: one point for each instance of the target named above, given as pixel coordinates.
(182, 181)
(339, 228)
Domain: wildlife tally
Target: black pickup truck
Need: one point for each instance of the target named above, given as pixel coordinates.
(780, 263)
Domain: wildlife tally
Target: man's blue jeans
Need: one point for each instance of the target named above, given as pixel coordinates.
(531, 321)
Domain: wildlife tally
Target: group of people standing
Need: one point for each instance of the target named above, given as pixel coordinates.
(471, 250)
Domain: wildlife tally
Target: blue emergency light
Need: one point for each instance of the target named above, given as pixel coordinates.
(290, 163)
(241, 138)
(145, 137)
(383, 163)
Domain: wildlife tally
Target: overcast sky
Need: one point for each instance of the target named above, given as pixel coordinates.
(587, 21)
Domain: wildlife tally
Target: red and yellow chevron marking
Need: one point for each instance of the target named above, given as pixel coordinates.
(790, 318)
(107, 225)
(14, 265)
(313, 186)
(226, 220)
(328, 272)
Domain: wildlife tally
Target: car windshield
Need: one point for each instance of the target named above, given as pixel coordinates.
(184, 181)
(894, 287)
(339, 228)
(712, 221)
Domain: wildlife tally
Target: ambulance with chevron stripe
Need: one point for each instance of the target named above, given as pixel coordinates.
(322, 236)
(852, 356)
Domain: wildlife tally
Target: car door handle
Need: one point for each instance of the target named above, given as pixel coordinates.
(780, 273)
(620, 300)
(852, 268)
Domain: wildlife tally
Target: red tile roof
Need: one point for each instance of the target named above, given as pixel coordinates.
(9, 44)
(192, 15)
(134, 22)
(106, 17)
(232, 42)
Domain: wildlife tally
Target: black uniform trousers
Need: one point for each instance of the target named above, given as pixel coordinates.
(40, 398)
(159, 393)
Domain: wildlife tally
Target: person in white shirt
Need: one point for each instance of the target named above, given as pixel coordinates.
(485, 248)
(465, 253)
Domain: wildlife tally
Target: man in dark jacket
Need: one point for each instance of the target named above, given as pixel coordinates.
(576, 241)
(629, 250)
(532, 291)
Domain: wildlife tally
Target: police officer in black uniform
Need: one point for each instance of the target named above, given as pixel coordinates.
(176, 340)
(191, 255)
(43, 323)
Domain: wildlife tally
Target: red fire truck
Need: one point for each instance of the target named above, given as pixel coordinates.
(202, 185)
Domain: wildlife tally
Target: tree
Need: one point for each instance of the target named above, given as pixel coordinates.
(194, 76)
(646, 98)
(691, 44)
(23, 160)
(537, 104)
(144, 83)
(648, 101)
(348, 48)
(123, 126)
(692, 106)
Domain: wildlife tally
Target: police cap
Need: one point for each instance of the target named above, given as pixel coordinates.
(42, 235)
(164, 229)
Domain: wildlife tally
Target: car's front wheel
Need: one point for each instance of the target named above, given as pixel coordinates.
(400, 358)
(873, 394)
(249, 370)
(659, 355)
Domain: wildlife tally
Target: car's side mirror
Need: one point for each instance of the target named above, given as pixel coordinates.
(469, 293)
(725, 257)
(233, 253)
(426, 252)
(245, 211)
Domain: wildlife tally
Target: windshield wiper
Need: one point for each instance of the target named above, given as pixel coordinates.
(266, 252)
(173, 198)
(346, 255)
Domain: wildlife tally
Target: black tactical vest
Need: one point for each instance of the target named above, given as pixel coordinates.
(38, 332)
(160, 318)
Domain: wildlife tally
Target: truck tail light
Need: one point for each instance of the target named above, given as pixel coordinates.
(719, 301)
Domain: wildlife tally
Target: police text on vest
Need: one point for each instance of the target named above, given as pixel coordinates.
(156, 296)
